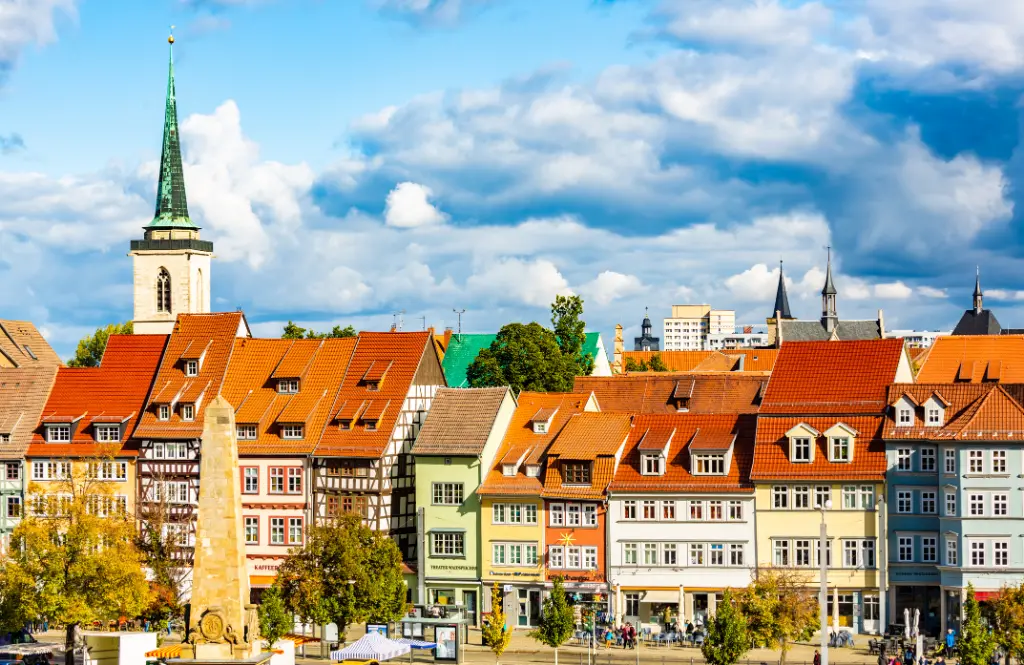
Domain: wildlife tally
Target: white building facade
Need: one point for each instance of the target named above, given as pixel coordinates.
(689, 327)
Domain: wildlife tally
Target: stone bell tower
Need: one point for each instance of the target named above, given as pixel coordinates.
(171, 265)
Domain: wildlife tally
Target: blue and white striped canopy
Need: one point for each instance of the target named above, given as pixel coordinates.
(372, 646)
(416, 644)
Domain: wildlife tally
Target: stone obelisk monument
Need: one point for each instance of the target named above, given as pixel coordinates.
(221, 624)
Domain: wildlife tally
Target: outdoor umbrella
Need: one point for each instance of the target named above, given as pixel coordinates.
(372, 646)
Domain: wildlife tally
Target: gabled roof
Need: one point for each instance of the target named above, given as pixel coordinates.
(832, 377)
(754, 360)
(22, 345)
(678, 474)
(402, 353)
(977, 323)
(114, 392)
(23, 395)
(711, 441)
(654, 393)
(214, 332)
(463, 349)
(655, 439)
(974, 412)
(595, 437)
(460, 421)
(251, 389)
(521, 442)
(771, 453)
(974, 359)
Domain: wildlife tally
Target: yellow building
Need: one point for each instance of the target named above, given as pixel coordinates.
(512, 517)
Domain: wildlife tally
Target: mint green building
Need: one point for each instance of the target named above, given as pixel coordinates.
(453, 452)
(463, 348)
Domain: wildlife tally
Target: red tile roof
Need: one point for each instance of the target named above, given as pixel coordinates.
(832, 377)
(595, 437)
(974, 412)
(654, 393)
(974, 359)
(401, 355)
(113, 392)
(711, 440)
(251, 388)
(521, 442)
(754, 360)
(192, 334)
(771, 454)
(678, 474)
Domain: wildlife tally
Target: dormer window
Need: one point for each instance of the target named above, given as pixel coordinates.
(709, 465)
(508, 470)
(188, 412)
(372, 386)
(163, 412)
(904, 416)
(107, 433)
(370, 424)
(291, 431)
(935, 411)
(246, 432)
(288, 386)
(345, 424)
(540, 427)
(652, 465)
(191, 368)
(533, 470)
(541, 421)
(58, 433)
(934, 416)
(5, 438)
(802, 440)
(575, 473)
(841, 438)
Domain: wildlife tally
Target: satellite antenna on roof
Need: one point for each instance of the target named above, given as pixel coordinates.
(459, 313)
(424, 322)
(399, 320)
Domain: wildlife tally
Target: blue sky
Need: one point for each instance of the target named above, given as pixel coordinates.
(353, 158)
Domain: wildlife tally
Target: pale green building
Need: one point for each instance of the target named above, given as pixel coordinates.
(453, 452)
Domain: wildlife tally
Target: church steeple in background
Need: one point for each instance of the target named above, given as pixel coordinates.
(978, 304)
(829, 316)
(171, 202)
(781, 298)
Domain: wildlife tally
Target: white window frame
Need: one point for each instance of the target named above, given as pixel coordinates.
(905, 549)
(929, 498)
(629, 511)
(292, 432)
(709, 465)
(801, 449)
(976, 505)
(950, 502)
(652, 464)
(928, 457)
(836, 446)
(930, 549)
(58, 433)
(448, 544)
(188, 412)
(245, 432)
(163, 412)
(287, 386)
(107, 433)
(998, 461)
(976, 461)
(191, 368)
(1001, 553)
(447, 494)
(978, 554)
(904, 459)
(949, 461)
(952, 555)
(904, 502)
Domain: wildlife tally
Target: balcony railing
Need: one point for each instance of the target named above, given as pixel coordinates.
(165, 245)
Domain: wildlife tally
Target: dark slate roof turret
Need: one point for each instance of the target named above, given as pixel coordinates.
(781, 298)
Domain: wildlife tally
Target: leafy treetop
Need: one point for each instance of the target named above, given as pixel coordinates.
(779, 609)
(557, 620)
(294, 331)
(1008, 615)
(275, 622)
(495, 632)
(975, 643)
(727, 638)
(90, 348)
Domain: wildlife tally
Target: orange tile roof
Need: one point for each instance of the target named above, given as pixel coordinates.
(23, 395)
(771, 452)
(402, 353)
(171, 385)
(377, 370)
(678, 474)
(652, 393)
(655, 439)
(711, 440)
(974, 412)
(521, 442)
(832, 377)
(114, 391)
(297, 359)
(22, 345)
(754, 360)
(974, 359)
(595, 437)
(251, 388)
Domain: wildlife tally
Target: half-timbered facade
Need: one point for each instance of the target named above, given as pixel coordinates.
(169, 433)
(283, 391)
(82, 440)
(363, 462)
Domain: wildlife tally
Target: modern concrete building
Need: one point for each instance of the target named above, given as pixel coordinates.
(690, 327)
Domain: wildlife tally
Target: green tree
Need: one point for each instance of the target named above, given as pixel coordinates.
(79, 552)
(17, 597)
(1008, 616)
(345, 573)
(569, 328)
(294, 331)
(275, 622)
(90, 348)
(779, 608)
(495, 632)
(632, 365)
(657, 364)
(557, 620)
(524, 357)
(975, 643)
(727, 638)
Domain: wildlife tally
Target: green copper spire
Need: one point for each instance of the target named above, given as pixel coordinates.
(171, 205)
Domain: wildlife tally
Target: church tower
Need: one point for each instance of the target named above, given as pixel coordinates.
(171, 265)
(829, 317)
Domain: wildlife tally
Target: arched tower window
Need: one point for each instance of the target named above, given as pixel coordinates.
(163, 291)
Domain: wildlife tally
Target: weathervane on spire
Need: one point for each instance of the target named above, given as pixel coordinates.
(170, 37)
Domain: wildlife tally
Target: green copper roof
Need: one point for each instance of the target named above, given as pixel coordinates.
(463, 349)
(171, 205)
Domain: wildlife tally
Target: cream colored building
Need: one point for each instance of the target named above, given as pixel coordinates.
(690, 327)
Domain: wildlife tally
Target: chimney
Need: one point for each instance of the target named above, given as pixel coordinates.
(881, 324)
(617, 350)
(394, 326)
(447, 337)
(748, 330)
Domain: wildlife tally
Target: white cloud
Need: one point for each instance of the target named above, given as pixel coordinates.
(535, 282)
(440, 11)
(1003, 294)
(610, 286)
(408, 206)
(745, 23)
(24, 22)
(932, 292)
(893, 290)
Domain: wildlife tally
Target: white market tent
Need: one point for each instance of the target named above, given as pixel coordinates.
(372, 646)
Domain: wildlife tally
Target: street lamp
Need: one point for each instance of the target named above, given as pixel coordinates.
(823, 593)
